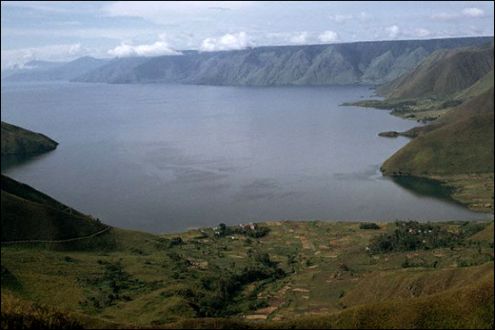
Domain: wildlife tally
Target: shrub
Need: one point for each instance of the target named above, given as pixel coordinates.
(368, 225)
(412, 235)
(220, 293)
(470, 228)
(175, 241)
(256, 231)
(17, 314)
(112, 286)
(9, 280)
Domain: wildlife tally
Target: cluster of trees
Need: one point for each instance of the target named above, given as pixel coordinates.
(112, 286)
(469, 228)
(253, 230)
(368, 225)
(220, 293)
(412, 235)
(8, 279)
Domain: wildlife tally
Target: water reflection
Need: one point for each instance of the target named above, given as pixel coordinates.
(165, 158)
(11, 161)
(423, 187)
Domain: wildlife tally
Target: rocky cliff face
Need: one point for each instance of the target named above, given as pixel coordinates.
(351, 63)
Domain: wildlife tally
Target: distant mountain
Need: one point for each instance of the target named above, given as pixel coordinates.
(30, 67)
(112, 71)
(20, 141)
(444, 72)
(45, 71)
(41, 65)
(372, 62)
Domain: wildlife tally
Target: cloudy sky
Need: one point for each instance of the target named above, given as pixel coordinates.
(60, 31)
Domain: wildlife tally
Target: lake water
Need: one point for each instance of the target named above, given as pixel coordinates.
(171, 157)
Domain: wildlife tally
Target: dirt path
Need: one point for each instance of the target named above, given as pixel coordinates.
(58, 241)
(306, 244)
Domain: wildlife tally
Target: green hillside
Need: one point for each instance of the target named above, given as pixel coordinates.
(443, 73)
(20, 141)
(463, 143)
(481, 86)
(27, 214)
(281, 275)
(466, 308)
(457, 149)
(454, 90)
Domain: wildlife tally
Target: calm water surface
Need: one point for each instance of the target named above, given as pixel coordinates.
(171, 157)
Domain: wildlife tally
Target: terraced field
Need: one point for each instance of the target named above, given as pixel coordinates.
(304, 269)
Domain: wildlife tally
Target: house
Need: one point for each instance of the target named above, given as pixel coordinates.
(249, 226)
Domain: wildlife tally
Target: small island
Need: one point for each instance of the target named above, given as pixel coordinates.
(389, 134)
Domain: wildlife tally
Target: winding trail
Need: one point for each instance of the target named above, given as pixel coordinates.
(59, 241)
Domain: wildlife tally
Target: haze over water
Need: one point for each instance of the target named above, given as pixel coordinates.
(171, 157)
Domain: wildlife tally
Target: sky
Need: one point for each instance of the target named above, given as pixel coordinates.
(62, 31)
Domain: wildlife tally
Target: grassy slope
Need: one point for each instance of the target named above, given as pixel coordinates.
(457, 148)
(317, 291)
(470, 307)
(463, 144)
(443, 73)
(458, 151)
(481, 86)
(28, 214)
(17, 140)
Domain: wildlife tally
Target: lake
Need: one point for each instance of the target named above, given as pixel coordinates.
(170, 157)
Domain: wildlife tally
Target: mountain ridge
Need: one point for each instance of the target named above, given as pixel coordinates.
(64, 71)
(443, 73)
(369, 62)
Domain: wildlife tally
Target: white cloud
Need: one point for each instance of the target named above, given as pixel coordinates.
(164, 11)
(341, 18)
(328, 36)
(61, 52)
(393, 31)
(299, 38)
(226, 42)
(364, 15)
(473, 12)
(160, 47)
(422, 33)
(45, 6)
(444, 16)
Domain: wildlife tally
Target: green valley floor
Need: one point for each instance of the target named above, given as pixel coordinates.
(275, 274)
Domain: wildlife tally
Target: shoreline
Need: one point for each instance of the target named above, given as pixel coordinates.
(473, 199)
